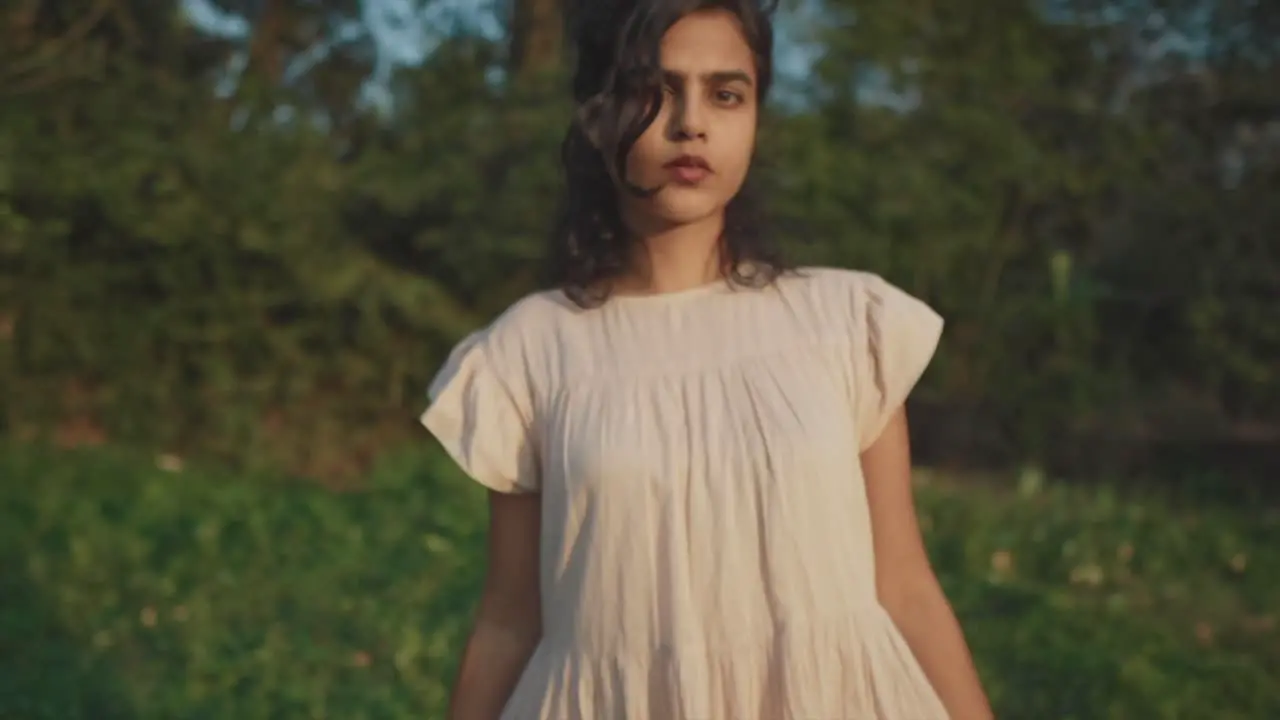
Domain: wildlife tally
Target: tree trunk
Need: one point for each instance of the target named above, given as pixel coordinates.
(266, 52)
(537, 36)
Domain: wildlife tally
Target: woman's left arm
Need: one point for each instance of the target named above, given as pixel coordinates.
(905, 582)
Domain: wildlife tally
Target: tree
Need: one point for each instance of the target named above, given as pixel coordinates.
(536, 37)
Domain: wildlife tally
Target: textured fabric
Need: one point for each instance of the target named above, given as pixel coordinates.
(706, 548)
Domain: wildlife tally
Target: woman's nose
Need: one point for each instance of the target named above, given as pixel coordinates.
(690, 118)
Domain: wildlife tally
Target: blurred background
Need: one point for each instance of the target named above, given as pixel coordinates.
(237, 238)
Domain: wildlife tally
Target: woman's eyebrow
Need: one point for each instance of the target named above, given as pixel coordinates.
(717, 77)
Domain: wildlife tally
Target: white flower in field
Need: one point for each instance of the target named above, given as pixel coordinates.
(1125, 552)
(1087, 574)
(1002, 561)
(1031, 481)
(169, 463)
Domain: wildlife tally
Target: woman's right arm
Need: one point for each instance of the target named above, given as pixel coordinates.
(508, 623)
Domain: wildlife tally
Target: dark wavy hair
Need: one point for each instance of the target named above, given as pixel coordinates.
(617, 92)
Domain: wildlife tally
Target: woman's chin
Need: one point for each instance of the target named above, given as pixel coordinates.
(685, 206)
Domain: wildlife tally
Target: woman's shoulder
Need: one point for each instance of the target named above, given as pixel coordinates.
(532, 314)
(829, 278)
(521, 332)
(839, 284)
(853, 299)
(829, 288)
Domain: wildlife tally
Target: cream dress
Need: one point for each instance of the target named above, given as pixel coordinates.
(706, 543)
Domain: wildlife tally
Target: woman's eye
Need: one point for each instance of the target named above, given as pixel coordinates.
(728, 97)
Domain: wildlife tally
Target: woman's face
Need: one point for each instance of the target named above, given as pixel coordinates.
(700, 146)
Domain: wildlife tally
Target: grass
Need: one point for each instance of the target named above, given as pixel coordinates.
(129, 590)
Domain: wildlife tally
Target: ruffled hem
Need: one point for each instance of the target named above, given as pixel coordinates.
(855, 670)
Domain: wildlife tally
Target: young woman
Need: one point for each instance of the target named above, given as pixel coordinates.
(700, 502)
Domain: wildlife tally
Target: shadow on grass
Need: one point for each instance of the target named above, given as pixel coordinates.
(45, 672)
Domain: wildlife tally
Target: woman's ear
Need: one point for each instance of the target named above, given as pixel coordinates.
(588, 119)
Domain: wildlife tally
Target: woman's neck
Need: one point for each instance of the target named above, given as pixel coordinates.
(676, 258)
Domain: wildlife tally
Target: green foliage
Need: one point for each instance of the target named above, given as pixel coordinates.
(1098, 604)
(135, 591)
(252, 270)
(197, 276)
(138, 592)
(1041, 195)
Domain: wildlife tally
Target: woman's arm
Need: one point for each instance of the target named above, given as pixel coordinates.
(508, 623)
(905, 581)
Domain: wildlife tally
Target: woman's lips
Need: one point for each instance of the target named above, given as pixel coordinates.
(688, 169)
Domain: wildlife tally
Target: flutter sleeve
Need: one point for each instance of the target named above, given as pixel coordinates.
(483, 420)
(896, 337)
